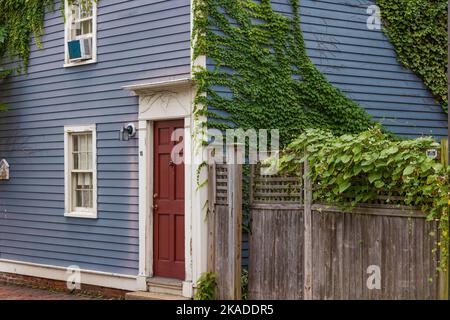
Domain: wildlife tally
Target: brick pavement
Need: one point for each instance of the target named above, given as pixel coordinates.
(13, 292)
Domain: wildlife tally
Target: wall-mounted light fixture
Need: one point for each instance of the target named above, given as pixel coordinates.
(127, 132)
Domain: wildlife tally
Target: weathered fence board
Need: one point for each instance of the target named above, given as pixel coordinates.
(339, 249)
(276, 264)
(225, 227)
(345, 245)
(222, 265)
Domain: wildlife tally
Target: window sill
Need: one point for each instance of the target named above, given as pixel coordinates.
(84, 215)
(82, 63)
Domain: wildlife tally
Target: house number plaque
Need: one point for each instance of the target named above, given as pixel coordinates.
(4, 170)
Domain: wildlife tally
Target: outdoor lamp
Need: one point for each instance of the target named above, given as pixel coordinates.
(127, 132)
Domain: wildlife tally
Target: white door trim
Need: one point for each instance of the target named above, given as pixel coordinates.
(165, 101)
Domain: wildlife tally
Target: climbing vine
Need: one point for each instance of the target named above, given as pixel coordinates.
(19, 21)
(351, 169)
(263, 77)
(418, 30)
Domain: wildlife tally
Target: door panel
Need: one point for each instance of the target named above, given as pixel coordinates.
(169, 203)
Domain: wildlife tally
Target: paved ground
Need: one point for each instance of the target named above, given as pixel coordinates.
(10, 292)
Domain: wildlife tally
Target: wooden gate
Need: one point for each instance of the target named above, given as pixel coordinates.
(225, 228)
(302, 250)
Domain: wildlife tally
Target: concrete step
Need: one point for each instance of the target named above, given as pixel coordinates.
(152, 296)
(165, 286)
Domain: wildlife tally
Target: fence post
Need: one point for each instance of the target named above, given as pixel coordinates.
(211, 216)
(235, 219)
(443, 276)
(307, 221)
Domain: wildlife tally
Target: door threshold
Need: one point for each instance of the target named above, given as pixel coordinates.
(161, 285)
(165, 281)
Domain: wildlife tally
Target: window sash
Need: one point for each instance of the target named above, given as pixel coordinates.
(81, 171)
(81, 29)
(81, 174)
(82, 152)
(81, 26)
(82, 191)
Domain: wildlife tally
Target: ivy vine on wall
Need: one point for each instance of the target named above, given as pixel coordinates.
(260, 57)
(418, 30)
(19, 21)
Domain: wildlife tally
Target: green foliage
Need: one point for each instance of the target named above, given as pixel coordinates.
(244, 284)
(418, 30)
(19, 21)
(363, 166)
(261, 58)
(206, 286)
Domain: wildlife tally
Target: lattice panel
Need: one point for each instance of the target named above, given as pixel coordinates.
(276, 188)
(221, 184)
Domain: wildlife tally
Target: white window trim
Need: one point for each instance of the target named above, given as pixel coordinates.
(67, 62)
(68, 130)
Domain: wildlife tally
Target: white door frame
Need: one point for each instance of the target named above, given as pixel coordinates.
(166, 101)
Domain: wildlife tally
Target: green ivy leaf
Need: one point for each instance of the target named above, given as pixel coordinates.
(346, 158)
(379, 184)
(373, 176)
(408, 170)
(344, 185)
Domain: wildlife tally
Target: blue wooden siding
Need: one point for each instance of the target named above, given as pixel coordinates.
(138, 41)
(363, 64)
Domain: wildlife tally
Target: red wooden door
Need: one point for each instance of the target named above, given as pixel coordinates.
(168, 211)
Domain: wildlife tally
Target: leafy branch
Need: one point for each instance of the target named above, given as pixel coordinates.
(361, 167)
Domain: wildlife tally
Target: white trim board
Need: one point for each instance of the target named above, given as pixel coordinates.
(88, 277)
(164, 101)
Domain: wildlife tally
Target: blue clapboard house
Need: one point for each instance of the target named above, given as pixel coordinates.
(87, 134)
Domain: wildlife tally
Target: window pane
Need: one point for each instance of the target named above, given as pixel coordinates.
(85, 12)
(82, 151)
(83, 194)
(81, 11)
(84, 27)
(75, 143)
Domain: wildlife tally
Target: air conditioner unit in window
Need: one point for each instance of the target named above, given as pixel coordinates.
(80, 49)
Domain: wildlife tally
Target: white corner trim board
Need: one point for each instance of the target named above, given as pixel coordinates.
(88, 277)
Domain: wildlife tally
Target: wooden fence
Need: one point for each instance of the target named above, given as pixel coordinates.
(302, 250)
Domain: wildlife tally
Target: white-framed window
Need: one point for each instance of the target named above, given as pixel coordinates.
(80, 166)
(80, 40)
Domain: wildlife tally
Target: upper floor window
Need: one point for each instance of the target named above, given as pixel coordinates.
(80, 33)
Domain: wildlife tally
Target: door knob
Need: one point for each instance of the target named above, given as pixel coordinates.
(155, 196)
(155, 207)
